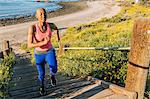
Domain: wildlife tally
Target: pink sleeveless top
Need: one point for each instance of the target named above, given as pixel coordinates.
(39, 36)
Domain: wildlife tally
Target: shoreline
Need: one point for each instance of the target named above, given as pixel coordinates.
(67, 8)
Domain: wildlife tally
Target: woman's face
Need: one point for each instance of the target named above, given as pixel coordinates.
(41, 15)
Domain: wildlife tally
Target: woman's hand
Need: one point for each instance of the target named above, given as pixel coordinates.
(46, 40)
(61, 50)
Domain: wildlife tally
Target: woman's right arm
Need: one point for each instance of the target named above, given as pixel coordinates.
(32, 44)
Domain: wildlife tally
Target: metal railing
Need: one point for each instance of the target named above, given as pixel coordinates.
(97, 48)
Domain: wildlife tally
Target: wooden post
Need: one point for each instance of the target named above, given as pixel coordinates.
(139, 57)
(5, 47)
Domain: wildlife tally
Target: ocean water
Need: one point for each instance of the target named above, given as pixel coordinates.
(19, 8)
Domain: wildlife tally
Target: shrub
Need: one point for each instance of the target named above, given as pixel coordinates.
(6, 73)
(107, 65)
(145, 3)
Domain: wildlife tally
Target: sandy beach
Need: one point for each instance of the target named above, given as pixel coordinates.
(95, 10)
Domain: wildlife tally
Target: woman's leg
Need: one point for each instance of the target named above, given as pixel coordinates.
(40, 64)
(52, 62)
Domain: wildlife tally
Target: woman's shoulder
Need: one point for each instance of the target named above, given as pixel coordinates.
(32, 28)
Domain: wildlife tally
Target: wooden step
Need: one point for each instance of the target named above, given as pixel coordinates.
(26, 76)
(27, 69)
(63, 85)
(22, 67)
(88, 93)
(62, 92)
(33, 77)
(103, 94)
(59, 90)
(31, 72)
(34, 82)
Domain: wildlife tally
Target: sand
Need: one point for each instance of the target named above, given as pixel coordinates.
(95, 10)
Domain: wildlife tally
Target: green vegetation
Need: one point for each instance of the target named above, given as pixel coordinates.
(107, 65)
(6, 73)
(145, 3)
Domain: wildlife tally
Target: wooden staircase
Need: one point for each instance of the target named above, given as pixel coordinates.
(25, 83)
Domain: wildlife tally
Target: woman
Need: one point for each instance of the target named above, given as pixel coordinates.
(39, 37)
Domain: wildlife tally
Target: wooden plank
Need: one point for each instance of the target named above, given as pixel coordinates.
(116, 96)
(30, 78)
(21, 84)
(72, 88)
(61, 85)
(87, 93)
(122, 91)
(51, 92)
(103, 94)
(25, 76)
(28, 71)
(5, 47)
(83, 90)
